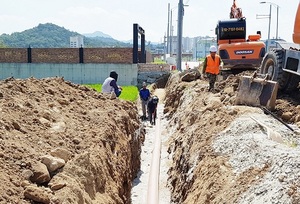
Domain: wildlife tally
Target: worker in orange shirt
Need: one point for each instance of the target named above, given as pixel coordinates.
(211, 67)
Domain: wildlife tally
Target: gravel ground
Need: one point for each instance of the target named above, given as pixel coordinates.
(248, 145)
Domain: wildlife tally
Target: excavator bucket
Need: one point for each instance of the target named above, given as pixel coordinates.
(254, 91)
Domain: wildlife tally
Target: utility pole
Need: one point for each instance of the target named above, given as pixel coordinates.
(277, 22)
(165, 51)
(168, 30)
(171, 35)
(179, 34)
(270, 14)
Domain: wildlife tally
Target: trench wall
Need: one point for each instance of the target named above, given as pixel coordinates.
(76, 73)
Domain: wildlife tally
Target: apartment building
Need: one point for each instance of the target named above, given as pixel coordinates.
(76, 41)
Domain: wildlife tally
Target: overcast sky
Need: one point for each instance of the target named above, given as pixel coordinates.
(116, 17)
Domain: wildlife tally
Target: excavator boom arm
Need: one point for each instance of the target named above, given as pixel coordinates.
(296, 34)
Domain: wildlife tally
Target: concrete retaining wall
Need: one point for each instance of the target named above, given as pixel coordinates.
(76, 73)
(129, 74)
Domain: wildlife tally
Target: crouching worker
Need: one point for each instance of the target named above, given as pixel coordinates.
(110, 85)
(152, 106)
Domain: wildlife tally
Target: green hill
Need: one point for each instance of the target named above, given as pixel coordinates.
(52, 36)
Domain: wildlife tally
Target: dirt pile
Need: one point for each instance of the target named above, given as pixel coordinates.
(221, 155)
(66, 143)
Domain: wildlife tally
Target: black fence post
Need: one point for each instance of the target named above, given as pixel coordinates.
(143, 50)
(81, 55)
(136, 31)
(29, 56)
(135, 44)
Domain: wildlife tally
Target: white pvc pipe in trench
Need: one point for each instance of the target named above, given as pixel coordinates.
(153, 182)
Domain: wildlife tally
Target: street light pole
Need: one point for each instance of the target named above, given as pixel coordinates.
(171, 36)
(277, 8)
(168, 30)
(196, 51)
(277, 22)
(197, 42)
(270, 14)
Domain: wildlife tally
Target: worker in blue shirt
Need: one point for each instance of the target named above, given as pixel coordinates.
(144, 96)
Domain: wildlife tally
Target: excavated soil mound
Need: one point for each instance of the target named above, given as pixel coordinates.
(65, 143)
(221, 155)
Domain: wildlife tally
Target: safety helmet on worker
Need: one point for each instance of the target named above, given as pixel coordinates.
(155, 99)
(213, 48)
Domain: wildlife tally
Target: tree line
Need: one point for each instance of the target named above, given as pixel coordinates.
(49, 35)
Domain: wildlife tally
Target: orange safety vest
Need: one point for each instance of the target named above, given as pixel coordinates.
(212, 66)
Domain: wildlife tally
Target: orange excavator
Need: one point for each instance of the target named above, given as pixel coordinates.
(240, 54)
(237, 52)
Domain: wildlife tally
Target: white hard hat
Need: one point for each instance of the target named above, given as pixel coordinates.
(155, 99)
(213, 48)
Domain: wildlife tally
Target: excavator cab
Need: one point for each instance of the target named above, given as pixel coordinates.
(236, 51)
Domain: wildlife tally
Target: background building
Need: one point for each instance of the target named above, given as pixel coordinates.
(76, 41)
(201, 47)
(197, 47)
